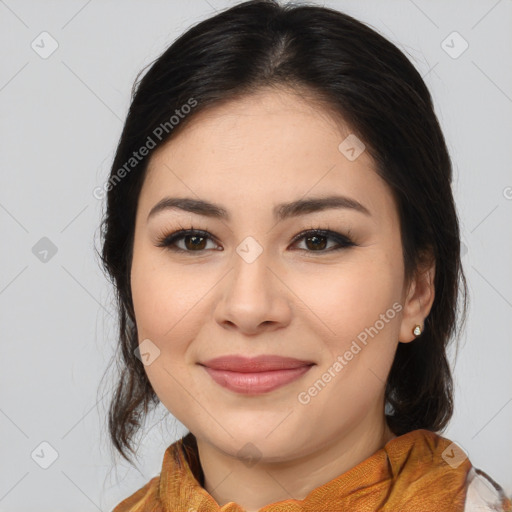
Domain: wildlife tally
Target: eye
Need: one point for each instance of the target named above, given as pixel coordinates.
(196, 240)
(316, 239)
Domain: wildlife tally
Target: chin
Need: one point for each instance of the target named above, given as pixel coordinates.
(257, 442)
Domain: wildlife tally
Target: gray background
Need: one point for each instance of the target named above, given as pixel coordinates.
(61, 118)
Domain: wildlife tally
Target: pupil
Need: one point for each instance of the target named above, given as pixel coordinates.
(196, 244)
(316, 238)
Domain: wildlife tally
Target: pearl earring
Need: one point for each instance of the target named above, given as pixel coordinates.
(417, 330)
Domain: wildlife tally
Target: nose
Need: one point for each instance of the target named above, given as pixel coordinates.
(253, 298)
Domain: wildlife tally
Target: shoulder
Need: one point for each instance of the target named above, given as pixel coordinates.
(145, 499)
(174, 475)
(484, 494)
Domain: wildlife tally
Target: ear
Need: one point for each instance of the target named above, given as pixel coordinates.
(419, 293)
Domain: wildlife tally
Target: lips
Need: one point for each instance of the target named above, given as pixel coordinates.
(257, 375)
(257, 364)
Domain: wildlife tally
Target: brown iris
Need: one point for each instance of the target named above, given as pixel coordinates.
(197, 242)
(316, 238)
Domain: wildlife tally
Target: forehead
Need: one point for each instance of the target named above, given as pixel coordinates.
(268, 147)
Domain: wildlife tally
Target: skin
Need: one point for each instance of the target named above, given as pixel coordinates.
(247, 156)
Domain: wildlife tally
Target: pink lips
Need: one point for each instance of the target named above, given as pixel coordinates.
(255, 375)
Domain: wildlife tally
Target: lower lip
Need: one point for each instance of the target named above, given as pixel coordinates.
(255, 383)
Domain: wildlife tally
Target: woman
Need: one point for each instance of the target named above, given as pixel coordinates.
(284, 242)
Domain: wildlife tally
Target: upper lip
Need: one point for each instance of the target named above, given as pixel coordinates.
(261, 363)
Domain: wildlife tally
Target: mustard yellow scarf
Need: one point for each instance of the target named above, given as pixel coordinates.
(410, 473)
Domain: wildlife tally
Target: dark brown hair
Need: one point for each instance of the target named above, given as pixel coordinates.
(361, 77)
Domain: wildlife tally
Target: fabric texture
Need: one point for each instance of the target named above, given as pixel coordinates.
(415, 472)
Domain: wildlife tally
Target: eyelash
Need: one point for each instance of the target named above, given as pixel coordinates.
(168, 241)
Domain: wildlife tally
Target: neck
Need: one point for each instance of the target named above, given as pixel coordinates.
(227, 479)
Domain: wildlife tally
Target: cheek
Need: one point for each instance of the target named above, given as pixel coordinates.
(358, 312)
(348, 298)
(169, 304)
(168, 313)
(165, 300)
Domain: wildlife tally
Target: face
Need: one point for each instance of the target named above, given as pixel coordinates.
(246, 284)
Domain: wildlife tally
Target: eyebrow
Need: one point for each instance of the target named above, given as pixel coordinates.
(281, 211)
